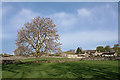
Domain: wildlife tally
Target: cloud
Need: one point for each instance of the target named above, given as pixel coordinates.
(6, 10)
(17, 21)
(7, 36)
(3, 12)
(86, 27)
(88, 37)
(63, 20)
(86, 19)
(83, 12)
(0, 10)
(0, 27)
(23, 16)
(26, 13)
(67, 22)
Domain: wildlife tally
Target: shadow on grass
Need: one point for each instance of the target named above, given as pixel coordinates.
(85, 71)
(71, 70)
(17, 68)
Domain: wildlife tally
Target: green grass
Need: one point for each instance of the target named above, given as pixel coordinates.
(100, 70)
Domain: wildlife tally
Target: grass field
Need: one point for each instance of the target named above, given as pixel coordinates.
(76, 69)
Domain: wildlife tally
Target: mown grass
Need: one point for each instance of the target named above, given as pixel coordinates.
(101, 70)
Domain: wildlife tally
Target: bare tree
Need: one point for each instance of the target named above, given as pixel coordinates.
(38, 36)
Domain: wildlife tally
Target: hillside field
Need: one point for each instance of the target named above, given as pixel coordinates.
(101, 70)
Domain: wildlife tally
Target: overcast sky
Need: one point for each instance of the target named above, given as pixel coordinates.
(80, 24)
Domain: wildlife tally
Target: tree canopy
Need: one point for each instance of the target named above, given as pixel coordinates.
(100, 48)
(107, 48)
(79, 50)
(116, 48)
(38, 36)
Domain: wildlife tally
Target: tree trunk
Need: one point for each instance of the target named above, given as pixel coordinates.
(36, 58)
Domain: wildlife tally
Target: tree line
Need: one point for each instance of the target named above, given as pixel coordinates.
(107, 48)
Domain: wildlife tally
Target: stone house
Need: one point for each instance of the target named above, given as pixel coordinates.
(108, 54)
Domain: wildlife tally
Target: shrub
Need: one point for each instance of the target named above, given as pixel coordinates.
(57, 54)
(51, 54)
(5, 55)
(11, 55)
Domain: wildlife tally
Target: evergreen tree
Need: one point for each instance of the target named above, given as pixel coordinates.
(79, 50)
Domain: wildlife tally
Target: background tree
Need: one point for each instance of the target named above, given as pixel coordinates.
(38, 36)
(107, 48)
(79, 50)
(116, 48)
(5, 55)
(100, 48)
